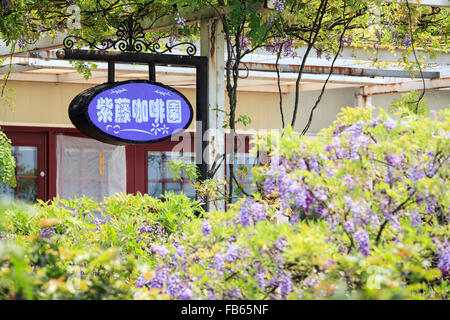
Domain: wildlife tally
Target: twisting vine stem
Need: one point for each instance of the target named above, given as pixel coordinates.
(8, 73)
(279, 83)
(319, 98)
(312, 39)
(415, 57)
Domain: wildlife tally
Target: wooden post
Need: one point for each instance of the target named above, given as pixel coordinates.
(212, 45)
(362, 99)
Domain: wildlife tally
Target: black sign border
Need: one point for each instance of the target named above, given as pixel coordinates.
(79, 113)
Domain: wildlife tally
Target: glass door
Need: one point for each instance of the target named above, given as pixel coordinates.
(29, 151)
(86, 167)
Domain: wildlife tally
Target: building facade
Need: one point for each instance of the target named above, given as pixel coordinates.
(55, 159)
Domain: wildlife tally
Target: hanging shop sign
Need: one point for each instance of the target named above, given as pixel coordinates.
(131, 112)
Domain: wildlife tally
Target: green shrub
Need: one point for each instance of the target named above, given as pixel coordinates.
(7, 162)
(360, 212)
(79, 249)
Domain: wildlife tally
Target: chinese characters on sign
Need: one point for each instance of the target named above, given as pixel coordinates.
(105, 110)
(173, 111)
(135, 111)
(138, 110)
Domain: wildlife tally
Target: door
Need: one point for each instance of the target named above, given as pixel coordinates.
(29, 150)
(86, 167)
(148, 167)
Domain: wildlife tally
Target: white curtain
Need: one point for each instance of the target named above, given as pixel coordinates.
(87, 167)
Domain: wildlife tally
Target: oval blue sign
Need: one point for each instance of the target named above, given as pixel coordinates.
(131, 112)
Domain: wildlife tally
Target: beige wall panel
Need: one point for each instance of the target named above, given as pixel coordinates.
(40, 103)
(46, 103)
(435, 99)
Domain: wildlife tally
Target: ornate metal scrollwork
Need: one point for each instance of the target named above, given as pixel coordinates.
(130, 38)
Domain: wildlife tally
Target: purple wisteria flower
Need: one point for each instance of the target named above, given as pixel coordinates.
(390, 124)
(251, 212)
(233, 294)
(395, 33)
(232, 253)
(416, 219)
(379, 34)
(431, 169)
(320, 194)
(261, 278)
(269, 185)
(341, 153)
(349, 226)
(407, 41)
(180, 21)
(312, 281)
(393, 220)
(244, 42)
(349, 40)
(303, 198)
(444, 258)
(245, 216)
(335, 143)
(328, 264)
(288, 48)
(430, 205)
(47, 232)
(145, 229)
(160, 249)
(21, 42)
(174, 285)
(219, 263)
(362, 238)
(279, 5)
(394, 160)
(185, 294)
(286, 45)
(285, 285)
(180, 255)
(8, 236)
(279, 244)
(141, 282)
(319, 53)
(161, 275)
(349, 181)
(206, 227)
(177, 288)
(417, 174)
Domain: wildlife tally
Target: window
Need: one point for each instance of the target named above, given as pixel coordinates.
(87, 167)
(243, 164)
(26, 175)
(159, 178)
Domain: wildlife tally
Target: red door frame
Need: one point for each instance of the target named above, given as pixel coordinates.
(50, 150)
(39, 140)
